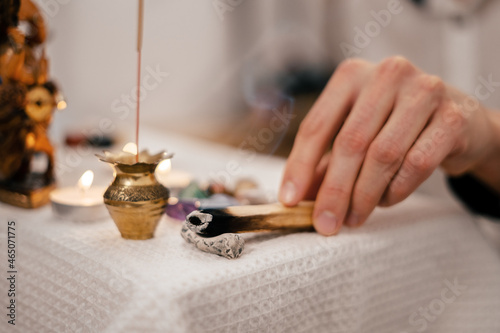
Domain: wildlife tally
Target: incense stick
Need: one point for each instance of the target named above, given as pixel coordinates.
(140, 25)
(139, 49)
(213, 222)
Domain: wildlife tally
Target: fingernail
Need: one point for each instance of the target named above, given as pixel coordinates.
(326, 223)
(288, 192)
(352, 220)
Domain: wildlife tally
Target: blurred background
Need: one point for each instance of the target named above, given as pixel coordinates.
(223, 69)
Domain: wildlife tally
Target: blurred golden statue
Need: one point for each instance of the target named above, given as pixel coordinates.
(27, 102)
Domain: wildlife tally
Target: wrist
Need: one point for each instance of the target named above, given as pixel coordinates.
(487, 169)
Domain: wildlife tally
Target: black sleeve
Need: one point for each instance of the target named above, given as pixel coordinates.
(477, 196)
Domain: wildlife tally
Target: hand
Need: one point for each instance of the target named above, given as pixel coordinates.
(392, 125)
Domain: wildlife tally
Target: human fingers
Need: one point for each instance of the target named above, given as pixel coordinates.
(369, 114)
(416, 103)
(435, 143)
(318, 129)
(319, 175)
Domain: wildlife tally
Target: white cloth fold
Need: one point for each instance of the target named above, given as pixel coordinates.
(421, 264)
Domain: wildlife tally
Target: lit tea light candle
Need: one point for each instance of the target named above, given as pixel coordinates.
(172, 178)
(81, 203)
(130, 148)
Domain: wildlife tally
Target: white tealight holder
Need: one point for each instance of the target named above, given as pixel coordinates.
(81, 203)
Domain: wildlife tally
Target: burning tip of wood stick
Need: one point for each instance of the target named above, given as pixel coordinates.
(198, 221)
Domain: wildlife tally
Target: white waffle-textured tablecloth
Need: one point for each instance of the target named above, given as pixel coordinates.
(421, 266)
(380, 278)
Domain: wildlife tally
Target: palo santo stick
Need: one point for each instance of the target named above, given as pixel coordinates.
(234, 219)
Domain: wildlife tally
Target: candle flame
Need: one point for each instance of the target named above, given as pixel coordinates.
(60, 101)
(164, 167)
(130, 148)
(86, 180)
(172, 200)
(61, 105)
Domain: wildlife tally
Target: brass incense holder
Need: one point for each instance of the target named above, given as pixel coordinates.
(135, 199)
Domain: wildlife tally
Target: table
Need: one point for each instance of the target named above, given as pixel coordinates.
(419, 266)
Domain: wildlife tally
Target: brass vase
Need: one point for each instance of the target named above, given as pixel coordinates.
(135, 199)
